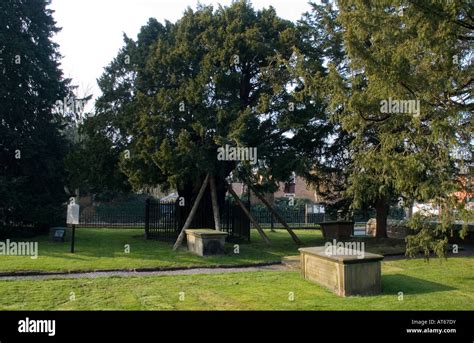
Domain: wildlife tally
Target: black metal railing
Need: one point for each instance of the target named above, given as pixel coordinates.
(163, 221)
(110, 217)
(295, 218)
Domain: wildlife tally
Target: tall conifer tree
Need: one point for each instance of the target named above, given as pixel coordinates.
(32, 147)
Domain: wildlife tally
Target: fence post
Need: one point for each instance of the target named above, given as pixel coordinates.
(177, 215)
(147, 217)
(249, 206)
(271, 222)
(306, 214)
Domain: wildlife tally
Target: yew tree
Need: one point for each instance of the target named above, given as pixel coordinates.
(215, 77)
(407, 51)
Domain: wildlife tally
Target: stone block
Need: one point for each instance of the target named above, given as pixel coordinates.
(345, 275)
(204, 242)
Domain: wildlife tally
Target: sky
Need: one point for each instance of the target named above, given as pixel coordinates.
(92, 30)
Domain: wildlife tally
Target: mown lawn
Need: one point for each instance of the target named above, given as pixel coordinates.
(100, 249)
(437, 285)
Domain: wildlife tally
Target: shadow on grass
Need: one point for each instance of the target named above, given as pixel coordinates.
(395, 283)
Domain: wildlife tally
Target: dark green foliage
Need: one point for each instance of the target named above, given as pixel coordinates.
(407, 50)
(296, 204)
(31, 146)
(92, 163)
(215, 77)
(324, 148)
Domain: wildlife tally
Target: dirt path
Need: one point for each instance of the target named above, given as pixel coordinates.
(187, 271)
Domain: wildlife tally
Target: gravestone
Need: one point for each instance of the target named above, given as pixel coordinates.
(345, 275)
(204, 242)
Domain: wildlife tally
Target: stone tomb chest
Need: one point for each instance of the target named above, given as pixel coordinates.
(205, 242)
(346, 275)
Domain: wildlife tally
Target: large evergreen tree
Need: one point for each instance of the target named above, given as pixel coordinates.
(417, 51)
(31, 145)
(215, 77)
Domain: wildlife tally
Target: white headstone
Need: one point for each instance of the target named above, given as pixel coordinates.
(73, 214)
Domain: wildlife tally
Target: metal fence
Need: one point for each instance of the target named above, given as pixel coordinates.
(163, 221)
(109, 216)
(166, 218)
(295, 218)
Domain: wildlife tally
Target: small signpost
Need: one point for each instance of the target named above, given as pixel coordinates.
(73, 219)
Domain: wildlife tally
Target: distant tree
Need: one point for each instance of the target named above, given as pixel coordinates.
(92, 163)
(32, 148)
(415, 51)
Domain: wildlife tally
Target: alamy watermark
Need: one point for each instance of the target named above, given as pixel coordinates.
(9, 248)
(28, 325)
(336, 248)
(230, 153)
(73, 106)
(400, 106)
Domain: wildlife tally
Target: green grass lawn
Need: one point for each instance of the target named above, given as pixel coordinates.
(437, 285)
(99, 249)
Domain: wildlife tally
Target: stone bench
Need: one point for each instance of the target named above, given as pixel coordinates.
(205, 242)
(345, 275)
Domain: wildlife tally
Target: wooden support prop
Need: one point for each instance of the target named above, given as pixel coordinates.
(276, 214)
(180, 238)
(247, 213)
(215, 204)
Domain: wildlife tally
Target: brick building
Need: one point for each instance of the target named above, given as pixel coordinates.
(296, 187)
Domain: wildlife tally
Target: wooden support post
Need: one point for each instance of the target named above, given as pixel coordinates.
(247, 213)
(276, 214)
(215, 204)
(180, 238)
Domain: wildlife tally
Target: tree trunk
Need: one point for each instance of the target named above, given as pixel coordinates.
(381, 208)
(409, 210)
(187, 224)
(190, 192)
